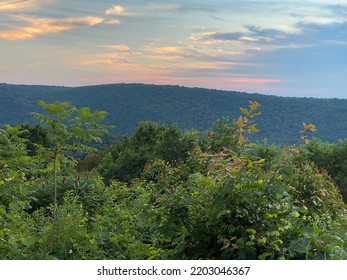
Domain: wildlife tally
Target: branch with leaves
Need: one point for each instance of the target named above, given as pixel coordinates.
(246, 123)
(303, 133)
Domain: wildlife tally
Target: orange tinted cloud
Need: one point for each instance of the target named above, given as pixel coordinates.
(17, 5)
(119, 47)
(165, 53)
(115, 11)
(167, 50)
(40, 26)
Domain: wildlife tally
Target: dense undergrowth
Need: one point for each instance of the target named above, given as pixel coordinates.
(163, 193)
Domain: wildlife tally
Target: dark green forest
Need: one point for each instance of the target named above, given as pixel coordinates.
(71, 190)
(189, 108)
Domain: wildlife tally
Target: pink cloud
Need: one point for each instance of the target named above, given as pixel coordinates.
(41, 26)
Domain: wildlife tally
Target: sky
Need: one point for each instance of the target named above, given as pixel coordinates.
(285, 48)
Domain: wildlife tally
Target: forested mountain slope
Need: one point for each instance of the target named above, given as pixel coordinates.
(197, 108)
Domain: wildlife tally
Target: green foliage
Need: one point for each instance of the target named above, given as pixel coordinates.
(237, 210)
(66, 124)
(29, 236)
(14, 164)
(35, 136)
(183, 196)
(126, 225)
(126, 160)
(68, 128)
(89, 163)
(219, 136)
(88, 187)
(246, 124)
(331, 158)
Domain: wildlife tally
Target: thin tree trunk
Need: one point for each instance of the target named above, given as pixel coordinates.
(55, 201)
(55, 180)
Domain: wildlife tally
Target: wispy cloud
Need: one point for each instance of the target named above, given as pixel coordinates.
(217, 36)
(161, 7)
(106, 59)
(120, 57)
(119, 47)
(111, 21)
(338, 10)
(6, 68)
(167, 53)
(41, 26)
(167, 50)
(115, 11)
(251, 35)
(17, 5)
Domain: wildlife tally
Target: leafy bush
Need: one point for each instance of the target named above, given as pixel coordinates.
(239, 210)
(333, 159)
(126, 159)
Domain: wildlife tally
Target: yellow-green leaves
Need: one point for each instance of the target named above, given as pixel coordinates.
(245, 111)
(295, 214)
(240, 123)
(252, 128)
(307, 127)
(310, 126)
(84, 113)
(251, 231)
(254, 105)
(245, 124)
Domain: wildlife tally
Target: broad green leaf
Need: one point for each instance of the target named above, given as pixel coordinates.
(251, 231)
(294, 214)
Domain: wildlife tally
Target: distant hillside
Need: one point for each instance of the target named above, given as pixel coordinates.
(280, 122)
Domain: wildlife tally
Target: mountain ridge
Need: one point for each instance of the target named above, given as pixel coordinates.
(128, 104)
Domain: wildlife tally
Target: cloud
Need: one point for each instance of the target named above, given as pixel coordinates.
(6, 68)
(252, 35)
(338, 10)
(17, 5)
(167, 50)
(311, 34)
(120, 56)
(218, 37)
(164, 7)
(169, 53)
(110, 59)
(111, 21)
(41, 26)
(229, 36)
(266, 32)
(115, 11)
(204, 38)
(119, 47)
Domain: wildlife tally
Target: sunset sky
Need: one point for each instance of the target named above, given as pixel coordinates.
(287, 47)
